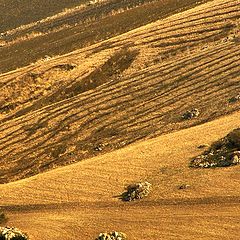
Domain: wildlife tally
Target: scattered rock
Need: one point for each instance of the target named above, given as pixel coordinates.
(236, 157)
(92, 2)
(234, 99)
(100, 147)
(223, 153)
(2, 43)
(46, 57)
(136, 191)
(184, 186)
(191, 114)
(11, 233)
(112, 236)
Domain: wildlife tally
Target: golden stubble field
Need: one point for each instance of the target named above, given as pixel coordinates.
(132, 87)
(76, 129)
(81, 200)
(73, 27)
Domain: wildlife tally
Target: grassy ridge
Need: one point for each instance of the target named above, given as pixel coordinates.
(15, 13)
(98, 27)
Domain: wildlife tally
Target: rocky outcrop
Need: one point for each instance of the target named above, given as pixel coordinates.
(223, 153)
(136, 191)
(11, 233)
(191, 114)
(112, 236)
(234, 99)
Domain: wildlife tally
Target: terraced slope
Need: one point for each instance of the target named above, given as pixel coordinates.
(81, 200)
(15, 13)
(79, 27)
(130, 88)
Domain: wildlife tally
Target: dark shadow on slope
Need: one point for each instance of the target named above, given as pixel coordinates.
(30, 87)
(111, 70)
(81, 35)
(101, 205)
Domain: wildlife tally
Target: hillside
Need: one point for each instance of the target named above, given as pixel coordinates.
(97, 95)
(15, 13)
(81, 200)
(132, 87)
(79, 27)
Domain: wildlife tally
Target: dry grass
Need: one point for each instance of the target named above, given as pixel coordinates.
(81, 27)
(111, 99)
(80, 197)
(119, 104)
(16, 13)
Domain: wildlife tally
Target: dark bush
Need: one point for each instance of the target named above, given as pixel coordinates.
(112, 236)
(11, 233)
(136, 191)
(223, 153)
(3, 218)
(190, 114)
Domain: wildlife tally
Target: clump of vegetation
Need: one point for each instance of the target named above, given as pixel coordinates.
(136, 191)
(112, 236)
(234, 99)
(223, 153)
(190, 114)
(203, 146)
(11, 233)
(3, 218)
(184, 187)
